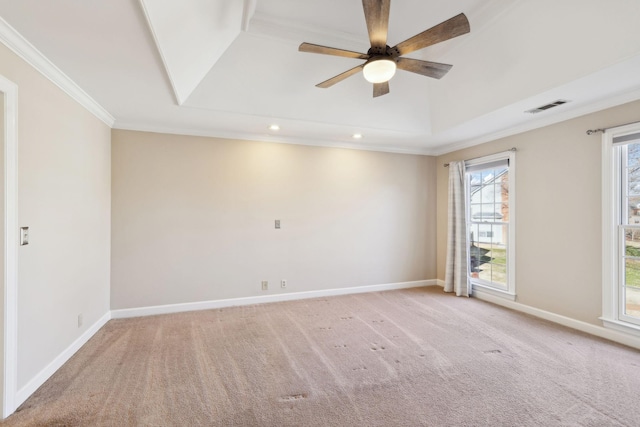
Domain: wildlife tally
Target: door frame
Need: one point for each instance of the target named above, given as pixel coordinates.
(10, 279)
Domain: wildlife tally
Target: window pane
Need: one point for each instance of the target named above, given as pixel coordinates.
(632, 242)
(632, 301)
(476, 209)
(487, 194)
(487, 175)
(630, 214)
(488, 210)
(504, 233)
(484, 233)
(633, 204)
(474, 251)
(497, 212)
(504, 182)
(632, 288)
(485, 272)
(475, 179)
(633, 154)
(626, 179)
(504, 196)
(499, 255)
(473, 234)
(484, 260)
(633, 185)
(504, 210)
(497, 190)
(499, 274)
(632, 273)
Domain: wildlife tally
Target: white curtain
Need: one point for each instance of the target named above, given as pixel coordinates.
(456, 272)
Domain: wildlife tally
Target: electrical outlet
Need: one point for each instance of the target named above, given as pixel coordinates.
(265, 285)
(79, 320)
(283, 283)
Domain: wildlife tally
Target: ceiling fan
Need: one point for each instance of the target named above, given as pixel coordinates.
(382, 60)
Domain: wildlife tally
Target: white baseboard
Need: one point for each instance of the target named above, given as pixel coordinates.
(232, 302)
(599, 331)
(62, 358)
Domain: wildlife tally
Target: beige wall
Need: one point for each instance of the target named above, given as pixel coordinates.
(64, 197)
(558, 228)
(193, 218)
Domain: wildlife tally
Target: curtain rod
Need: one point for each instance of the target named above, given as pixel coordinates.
(603, 130)
(446, 165)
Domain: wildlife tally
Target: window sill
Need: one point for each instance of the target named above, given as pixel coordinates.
(620, 326)
(479, 291)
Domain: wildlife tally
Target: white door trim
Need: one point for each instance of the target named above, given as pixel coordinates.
(10, 356)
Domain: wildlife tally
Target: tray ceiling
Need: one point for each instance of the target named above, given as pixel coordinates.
(231, 68)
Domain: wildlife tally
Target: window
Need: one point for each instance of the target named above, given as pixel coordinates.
(621, 228)
(490, 201)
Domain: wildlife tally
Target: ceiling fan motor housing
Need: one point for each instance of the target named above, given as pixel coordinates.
(379, 51)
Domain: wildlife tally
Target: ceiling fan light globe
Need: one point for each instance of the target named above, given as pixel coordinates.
(379, 70)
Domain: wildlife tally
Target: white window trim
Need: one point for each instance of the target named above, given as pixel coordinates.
(611, 313)
(479, 290)
(478, 287)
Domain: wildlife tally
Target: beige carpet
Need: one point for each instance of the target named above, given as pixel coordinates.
(400, 358)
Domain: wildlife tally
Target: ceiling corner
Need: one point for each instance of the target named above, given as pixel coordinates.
(206, 30)
(248, 11)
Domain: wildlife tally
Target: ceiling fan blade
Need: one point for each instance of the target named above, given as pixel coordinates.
(376, 13)
(454, 27)
(315, 48)
(426, 68)
(340, 77)
(380, 89)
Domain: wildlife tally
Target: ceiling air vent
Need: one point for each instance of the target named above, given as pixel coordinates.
(547, 106)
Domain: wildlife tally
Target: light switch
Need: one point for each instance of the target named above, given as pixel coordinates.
(24, 236)
(277, 223)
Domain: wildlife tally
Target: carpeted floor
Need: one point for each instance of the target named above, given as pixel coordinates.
(413, 357)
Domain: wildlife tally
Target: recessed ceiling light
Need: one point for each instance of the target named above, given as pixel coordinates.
(274, 127)
(357, 136)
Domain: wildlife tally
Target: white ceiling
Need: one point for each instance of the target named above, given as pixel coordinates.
(231, 68)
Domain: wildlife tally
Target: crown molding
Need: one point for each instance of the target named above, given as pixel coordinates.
(247, 136)
(25, 50)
